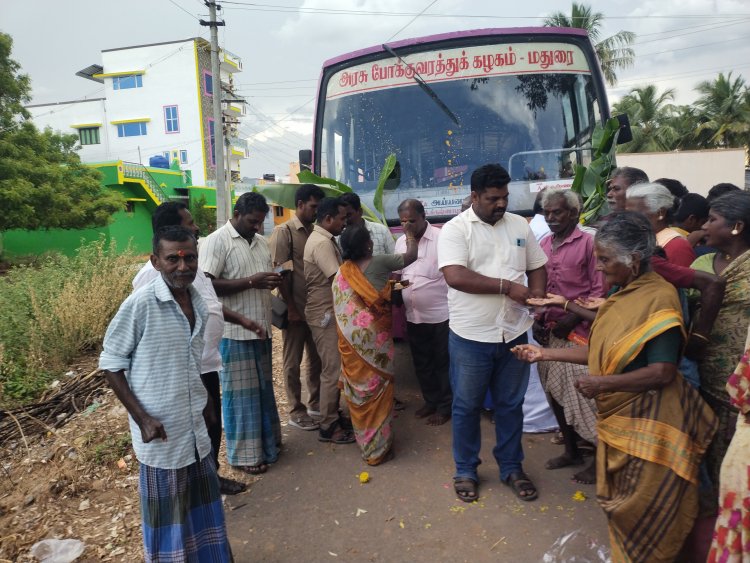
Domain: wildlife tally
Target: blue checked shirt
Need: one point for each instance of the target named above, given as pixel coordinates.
(150, 339)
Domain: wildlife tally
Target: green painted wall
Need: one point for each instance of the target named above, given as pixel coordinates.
(127, 227)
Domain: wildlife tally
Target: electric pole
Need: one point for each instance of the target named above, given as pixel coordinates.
(223, 201)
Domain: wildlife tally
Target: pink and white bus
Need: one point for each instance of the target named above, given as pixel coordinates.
(527, 98)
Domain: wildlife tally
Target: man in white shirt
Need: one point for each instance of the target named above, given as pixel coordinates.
(381, 236)
(484, 254)
(176, 213)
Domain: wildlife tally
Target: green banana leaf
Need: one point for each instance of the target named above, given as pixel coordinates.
(308, 177)
(283, 194)
(591, 181)
(385, 172)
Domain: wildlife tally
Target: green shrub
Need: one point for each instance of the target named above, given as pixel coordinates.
(54, 310)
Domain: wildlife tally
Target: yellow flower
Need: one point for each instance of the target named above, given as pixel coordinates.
(580, 496)
(364, 477)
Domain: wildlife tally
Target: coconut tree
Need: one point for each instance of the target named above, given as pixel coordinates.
(724, 111)
(650, 115)
(614, 52)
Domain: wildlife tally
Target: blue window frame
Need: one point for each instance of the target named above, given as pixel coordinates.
(183, 157)
(208, 83)
(127, 81)
(171, 120)
(211, 142)
(131, 129)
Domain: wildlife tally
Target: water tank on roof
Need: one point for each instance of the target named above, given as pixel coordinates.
(158, 161)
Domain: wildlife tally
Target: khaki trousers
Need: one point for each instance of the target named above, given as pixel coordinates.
(297, 339)
(327, 343)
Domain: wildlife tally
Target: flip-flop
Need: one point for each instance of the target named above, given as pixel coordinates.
(519, 483)
(466, 489)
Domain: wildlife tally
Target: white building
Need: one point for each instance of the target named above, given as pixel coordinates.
(157, 101)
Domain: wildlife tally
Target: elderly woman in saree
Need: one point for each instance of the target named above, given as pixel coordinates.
(727, 230)
(731, 542)
(653, 427)
(362, 304)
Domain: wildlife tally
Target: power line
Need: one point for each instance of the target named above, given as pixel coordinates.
(699, 72)
(184, 10)
(411, 21)
(277, 82)
(254, 6)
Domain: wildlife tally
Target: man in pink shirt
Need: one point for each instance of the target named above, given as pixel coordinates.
(571, 273)
(426, 303)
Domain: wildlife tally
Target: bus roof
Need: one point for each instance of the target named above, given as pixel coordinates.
(455, 35)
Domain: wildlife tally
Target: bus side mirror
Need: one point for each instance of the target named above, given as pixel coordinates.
(626, 135)
(305, 159)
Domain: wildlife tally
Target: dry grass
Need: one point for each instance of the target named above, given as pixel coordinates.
(55, 310)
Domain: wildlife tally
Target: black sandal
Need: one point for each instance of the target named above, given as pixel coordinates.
(466, 489)
(522, 486)
(231, 487)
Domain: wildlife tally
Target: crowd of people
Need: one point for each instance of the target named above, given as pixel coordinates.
(639, 327)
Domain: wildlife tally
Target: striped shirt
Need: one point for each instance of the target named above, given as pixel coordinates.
(211, 360)
(150, 339)
(225, 254)
(382, 238)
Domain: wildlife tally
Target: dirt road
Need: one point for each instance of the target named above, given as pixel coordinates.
(310, 506)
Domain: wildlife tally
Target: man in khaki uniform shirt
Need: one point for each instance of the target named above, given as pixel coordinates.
(322, 260)
(288, 242)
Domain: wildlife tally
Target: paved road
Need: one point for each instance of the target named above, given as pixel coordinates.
(310, 506)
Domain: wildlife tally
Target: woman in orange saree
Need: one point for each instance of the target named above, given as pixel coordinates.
(653, 427)
(362, 305)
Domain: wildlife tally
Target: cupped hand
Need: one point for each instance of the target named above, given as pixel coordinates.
(550, 299)
(528, 353)
(590, 303)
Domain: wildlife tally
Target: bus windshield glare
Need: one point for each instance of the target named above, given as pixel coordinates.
(528, 106)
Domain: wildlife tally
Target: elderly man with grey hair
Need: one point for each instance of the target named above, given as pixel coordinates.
(571, 274)
(619, 181)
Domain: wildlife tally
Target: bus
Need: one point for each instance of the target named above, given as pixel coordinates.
(527, 98)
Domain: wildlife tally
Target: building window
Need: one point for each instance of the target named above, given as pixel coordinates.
(171, 119)
(183, 157)
(211, 142)
(208, 83)
(89, 135)
(128, 81)
(166, 155)
(131, 129)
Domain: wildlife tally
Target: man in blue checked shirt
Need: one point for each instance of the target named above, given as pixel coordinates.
(152, 360)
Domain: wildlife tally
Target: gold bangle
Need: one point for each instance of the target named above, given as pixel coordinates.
(565, 307)
(697, 335)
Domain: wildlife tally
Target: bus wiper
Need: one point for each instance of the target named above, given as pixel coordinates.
(424, 86)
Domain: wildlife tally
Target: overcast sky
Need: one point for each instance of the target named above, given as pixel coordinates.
(283, 44)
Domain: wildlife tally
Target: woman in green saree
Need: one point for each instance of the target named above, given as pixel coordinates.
(653, 427)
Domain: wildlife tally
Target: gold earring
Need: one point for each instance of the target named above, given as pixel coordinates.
(735, 231)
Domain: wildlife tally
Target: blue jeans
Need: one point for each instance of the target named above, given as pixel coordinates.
(476, 367)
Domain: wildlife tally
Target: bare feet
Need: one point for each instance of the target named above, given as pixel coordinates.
(587, 476)
(564, 460)
(438, 419)
(425, 411)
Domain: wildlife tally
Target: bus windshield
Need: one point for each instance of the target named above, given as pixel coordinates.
(535, 118)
